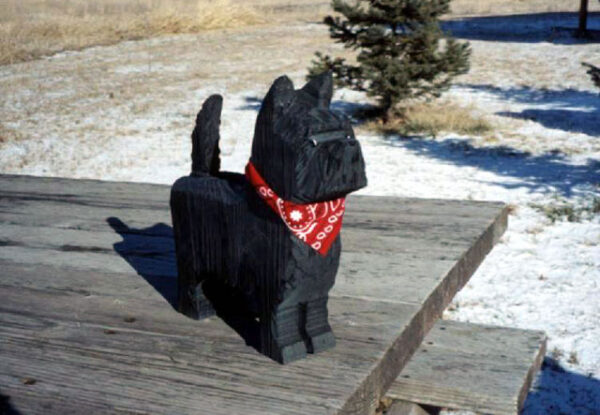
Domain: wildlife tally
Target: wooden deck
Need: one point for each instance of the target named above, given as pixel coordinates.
(87, 271)
(484, 369)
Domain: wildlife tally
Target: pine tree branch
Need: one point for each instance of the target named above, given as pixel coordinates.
(400, 49)
(356, 15)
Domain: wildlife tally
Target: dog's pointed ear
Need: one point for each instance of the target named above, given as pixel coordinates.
(321, 87)
(279, 96)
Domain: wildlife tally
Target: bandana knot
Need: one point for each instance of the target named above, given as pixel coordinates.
(317, 224)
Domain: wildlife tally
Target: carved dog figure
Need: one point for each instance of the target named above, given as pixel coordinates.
(306, 157)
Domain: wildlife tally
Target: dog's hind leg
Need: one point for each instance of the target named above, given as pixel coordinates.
(196, 213)
(317, 326)
(188, 228)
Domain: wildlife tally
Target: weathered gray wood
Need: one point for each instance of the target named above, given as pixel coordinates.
(155, 196)
(409, 408)
(162, 361)
(472, 367)
(64, 290)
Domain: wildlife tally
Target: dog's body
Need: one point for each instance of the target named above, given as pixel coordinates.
(226, 233)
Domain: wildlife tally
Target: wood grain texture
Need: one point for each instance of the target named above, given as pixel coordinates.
(86, 268)
(472, 367)
(409, 408)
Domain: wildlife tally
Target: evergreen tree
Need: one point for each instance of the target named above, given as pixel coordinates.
(401, 54)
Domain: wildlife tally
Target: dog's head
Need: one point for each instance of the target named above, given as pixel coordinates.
(305, 151)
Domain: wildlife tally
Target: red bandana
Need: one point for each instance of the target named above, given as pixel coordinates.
(317, 224)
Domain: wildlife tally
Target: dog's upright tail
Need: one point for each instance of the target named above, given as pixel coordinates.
(205, 138)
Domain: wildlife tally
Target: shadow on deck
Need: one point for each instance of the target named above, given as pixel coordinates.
(6, 407)
(151, 253)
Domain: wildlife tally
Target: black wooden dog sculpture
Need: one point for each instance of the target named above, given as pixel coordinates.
(270, 237)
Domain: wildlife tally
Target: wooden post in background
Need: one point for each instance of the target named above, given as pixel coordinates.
(583, 14)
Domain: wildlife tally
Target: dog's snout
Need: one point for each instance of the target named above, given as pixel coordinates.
(327, 136)
(327, 127)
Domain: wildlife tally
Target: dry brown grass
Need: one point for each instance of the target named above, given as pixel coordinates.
(432, 118)
(8, 134)
(30, 29)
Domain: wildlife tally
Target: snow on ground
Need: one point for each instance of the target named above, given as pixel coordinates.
(541, 275)
(545, 152)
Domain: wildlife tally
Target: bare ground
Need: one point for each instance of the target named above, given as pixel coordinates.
(127, 97)
(100, 98)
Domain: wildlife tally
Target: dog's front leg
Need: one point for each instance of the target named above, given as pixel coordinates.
(317, 326)
(282, 333)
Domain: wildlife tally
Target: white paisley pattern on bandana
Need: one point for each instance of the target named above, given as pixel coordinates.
(317, 224)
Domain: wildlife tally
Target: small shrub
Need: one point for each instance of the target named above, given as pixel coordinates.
(593, 72)
(573, 359)
(562, 209)
(431, 119)
(556, 354)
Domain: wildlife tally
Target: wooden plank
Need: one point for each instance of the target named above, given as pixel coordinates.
(408, 408)
(195, 364)
(472, 367)
(66, 275)
(95, 250)
(85, 191)
(145, 195)
(81, 245)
